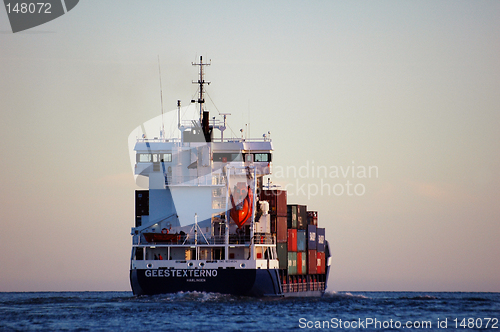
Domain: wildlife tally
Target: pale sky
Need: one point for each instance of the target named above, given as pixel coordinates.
(409, 87)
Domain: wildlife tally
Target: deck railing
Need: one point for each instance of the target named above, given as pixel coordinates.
(185, 239)
(215, 139)
(303, 286)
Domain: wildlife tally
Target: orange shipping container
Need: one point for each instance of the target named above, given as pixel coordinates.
(292, 239)
(303, 262)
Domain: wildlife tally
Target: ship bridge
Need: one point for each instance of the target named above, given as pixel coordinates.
(197, 163)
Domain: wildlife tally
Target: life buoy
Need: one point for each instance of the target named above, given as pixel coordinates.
(241, 212)
(164, 231)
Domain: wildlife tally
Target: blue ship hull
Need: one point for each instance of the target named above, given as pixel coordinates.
(239, 282)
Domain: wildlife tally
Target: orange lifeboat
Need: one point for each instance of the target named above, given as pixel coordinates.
(241, 212)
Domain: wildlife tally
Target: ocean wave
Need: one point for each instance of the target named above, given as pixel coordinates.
(333, 294)
(188, 297)
(418, 297)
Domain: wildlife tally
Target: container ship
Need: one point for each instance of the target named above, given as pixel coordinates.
(207, 222)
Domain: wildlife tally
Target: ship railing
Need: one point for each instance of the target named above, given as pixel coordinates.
(238, 140)
(159, 140)
(239, 239)
(204, 180)
(215, 139)
(212, 240)
(263, 239)
(294, 287)
(196, 123)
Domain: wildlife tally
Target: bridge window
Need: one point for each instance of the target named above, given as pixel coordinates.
(143, 157)
(166, 157)
(236, 157)
(154, 157)
(227, 157)
(262, 157)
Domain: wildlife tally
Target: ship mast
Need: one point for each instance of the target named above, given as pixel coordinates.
(201, 82)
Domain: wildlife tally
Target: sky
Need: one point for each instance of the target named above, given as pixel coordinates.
(406, 89)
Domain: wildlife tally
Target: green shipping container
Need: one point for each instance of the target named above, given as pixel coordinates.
(282, 255)
(292, 216)
(292, 263)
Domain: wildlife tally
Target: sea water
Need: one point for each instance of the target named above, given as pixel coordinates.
(360, 311)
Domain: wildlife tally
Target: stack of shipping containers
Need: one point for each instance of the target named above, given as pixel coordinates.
(297, 226)
(300, 243)
(278, 211)
(320, 267)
